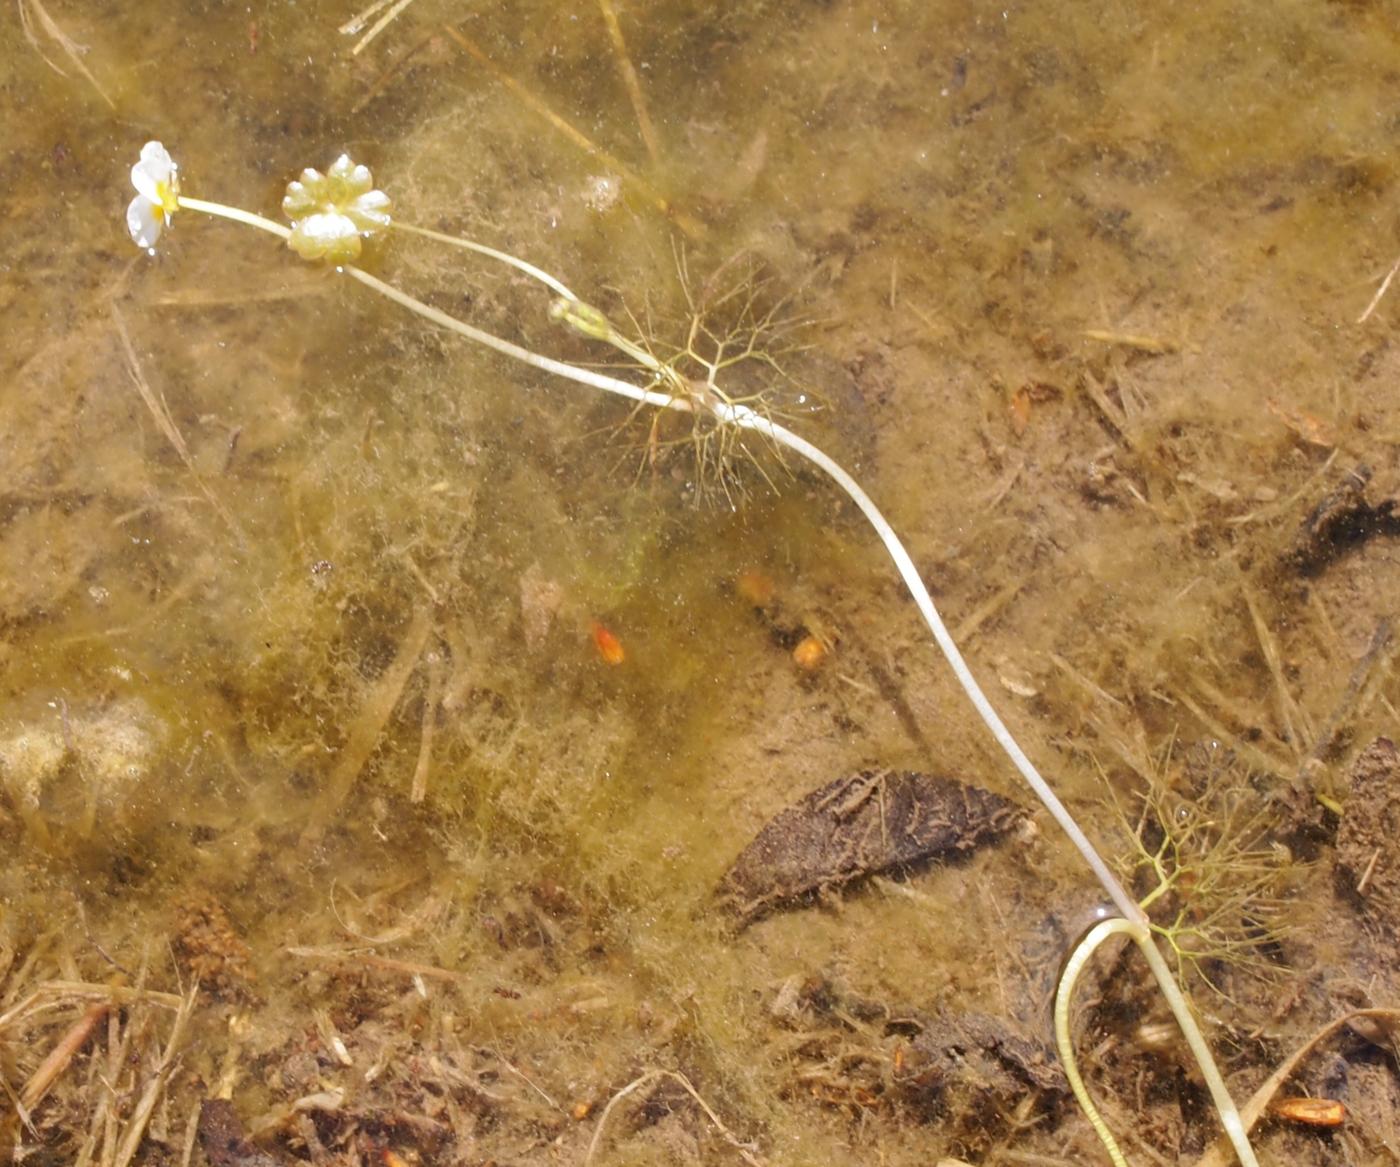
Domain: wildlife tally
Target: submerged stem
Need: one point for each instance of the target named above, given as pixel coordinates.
(237, 214)
(481, 249)
(526, 356)
(1064, 1042)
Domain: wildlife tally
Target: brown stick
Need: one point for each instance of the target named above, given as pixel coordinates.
(61, 1054)
(431, 701)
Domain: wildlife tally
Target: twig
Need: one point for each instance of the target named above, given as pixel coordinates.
(1294, 724)
(1112, 413)
(1283, 505)
(1361, 685)
(629, 79)
(191, 1134)
(61, 1054)
(118, 1043)
(1096, 691)
(988, 608)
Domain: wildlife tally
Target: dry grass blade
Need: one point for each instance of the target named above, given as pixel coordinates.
(350, 27)
(361, 18)
(32, 10)
(49, 995)
(1380, 293)
(687, 223)
(160, 413)
(373, 716)
(652, 1076)
(136, 1127)
(629, 78)
(1153, 345)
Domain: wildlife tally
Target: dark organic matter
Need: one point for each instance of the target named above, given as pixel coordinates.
(860, 825)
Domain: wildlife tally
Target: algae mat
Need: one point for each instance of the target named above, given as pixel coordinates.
(378, 718)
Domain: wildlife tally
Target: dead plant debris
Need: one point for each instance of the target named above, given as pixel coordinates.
(1340, 523)
(864, 824)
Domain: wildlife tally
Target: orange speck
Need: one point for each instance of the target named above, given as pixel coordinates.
(609, 646)
(1020, 410)
(581, 1110)
(755, 587)
(1308, 426)
(1310, 1111)
(809, 653)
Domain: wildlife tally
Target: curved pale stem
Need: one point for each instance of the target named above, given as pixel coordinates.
(1064, 1042)
(481, 249)
(1230, 1119)
(1134, 921)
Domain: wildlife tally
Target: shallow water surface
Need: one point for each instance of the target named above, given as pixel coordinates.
(404, 705)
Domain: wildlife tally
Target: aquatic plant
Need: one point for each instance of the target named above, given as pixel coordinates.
(1207, 859)
(331, 214)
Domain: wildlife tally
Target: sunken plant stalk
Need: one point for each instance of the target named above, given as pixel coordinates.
(330, 215)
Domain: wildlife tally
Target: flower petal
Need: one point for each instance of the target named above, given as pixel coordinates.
(157, 158)
(144, 219)
(155, 171)
(145, 182)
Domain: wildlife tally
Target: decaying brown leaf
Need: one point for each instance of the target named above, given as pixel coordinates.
(860, 825)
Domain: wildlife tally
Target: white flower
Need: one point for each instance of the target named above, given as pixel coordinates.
(331, 212)
(157, 182)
